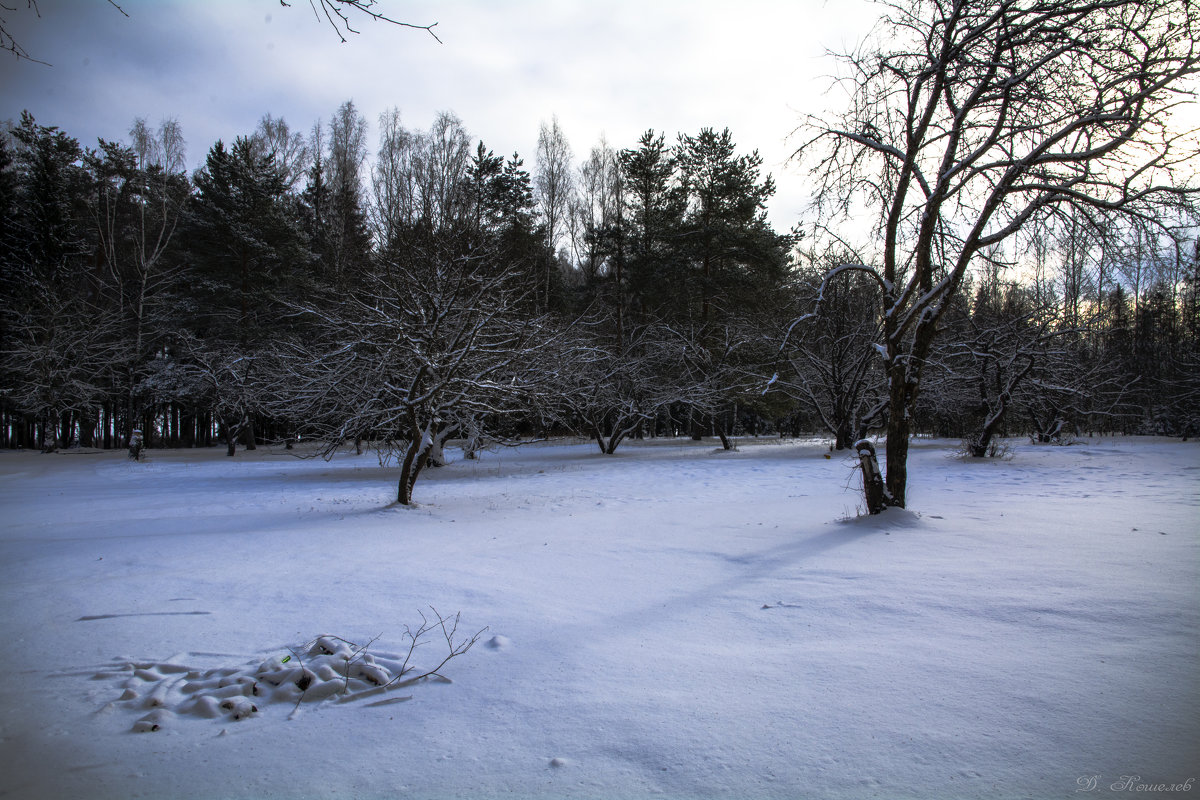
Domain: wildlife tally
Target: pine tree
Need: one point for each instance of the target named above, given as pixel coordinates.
(49, 218)
(248, 260)
(53, 348)
(735, 255)
(244, 243)
(314, 212)
(654, 219)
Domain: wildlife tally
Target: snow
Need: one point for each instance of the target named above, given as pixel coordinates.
(661, 622)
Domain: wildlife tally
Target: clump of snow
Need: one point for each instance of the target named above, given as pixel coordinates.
(327, 667)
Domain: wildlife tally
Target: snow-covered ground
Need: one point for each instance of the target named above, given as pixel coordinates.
(672, 621)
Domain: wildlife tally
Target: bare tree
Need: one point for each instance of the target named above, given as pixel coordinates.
(834, 370)
(432, 343)
(994, 356)
(288, 149)
(610, 387)
(1072, 388)
(554, 187)
(347, 148)
(595, 210)
(393, 181)
(59, 367)
(166, 148)
(968, 120)
(173, 145)
(419, 178)
(232, 381)
(135, 209)
(346, 154)
(445, 152)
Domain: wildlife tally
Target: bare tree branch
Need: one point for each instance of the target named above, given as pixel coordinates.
(8, 42)
(336, 13)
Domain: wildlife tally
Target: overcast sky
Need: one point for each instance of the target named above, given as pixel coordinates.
(604, 67)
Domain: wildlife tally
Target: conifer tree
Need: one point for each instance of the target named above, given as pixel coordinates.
(654, 220)
(247, 256)
(53, 349)
(734, 253)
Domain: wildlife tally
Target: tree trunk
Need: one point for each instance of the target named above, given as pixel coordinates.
(410, 469)
(471, 445)
(437, 448)
(843, 438)
(726, 443)
(724, 425)
(30, 436)
(229, 433)
(897, 457)
(249, 435)
(873, 489)
(48, 434)
(135, 445)
(176, 416)
(977, 447)
(67, 437)
(87, 428)
(187, 426)
(148, 429)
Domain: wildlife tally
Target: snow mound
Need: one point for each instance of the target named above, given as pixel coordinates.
(327, 667)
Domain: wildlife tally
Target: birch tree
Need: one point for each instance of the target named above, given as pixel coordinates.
(554, 188)
(288, 150)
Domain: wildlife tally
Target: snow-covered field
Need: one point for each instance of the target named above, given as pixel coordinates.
(672, 621)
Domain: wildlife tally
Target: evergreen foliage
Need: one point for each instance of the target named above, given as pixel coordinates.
(284, 290)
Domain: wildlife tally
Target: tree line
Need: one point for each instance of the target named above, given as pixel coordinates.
(295, 288)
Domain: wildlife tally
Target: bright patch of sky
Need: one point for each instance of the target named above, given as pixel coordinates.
(611, 69)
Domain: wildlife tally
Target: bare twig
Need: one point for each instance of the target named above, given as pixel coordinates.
(454, 649)
(7, 42)
(335, 13)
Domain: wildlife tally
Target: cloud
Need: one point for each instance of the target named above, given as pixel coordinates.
(615, 68)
